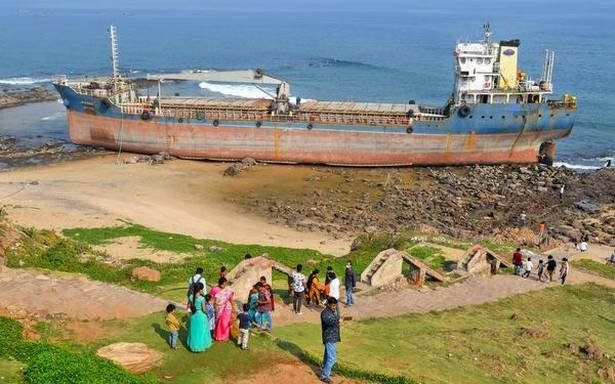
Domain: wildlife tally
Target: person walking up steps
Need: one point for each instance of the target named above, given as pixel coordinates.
(298, 289)
(551, 265)
(517, 261)
(349, 283)
(244, 328)
(564, 270)
(540, 269)
(528, 267)
(330, 324)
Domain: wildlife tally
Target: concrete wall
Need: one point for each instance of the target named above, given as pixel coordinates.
(389, 271)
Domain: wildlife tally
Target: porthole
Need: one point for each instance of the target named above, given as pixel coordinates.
(503, 117)
(482, 117)
(491, 117)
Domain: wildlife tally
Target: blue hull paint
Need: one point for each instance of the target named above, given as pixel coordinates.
(483, 118)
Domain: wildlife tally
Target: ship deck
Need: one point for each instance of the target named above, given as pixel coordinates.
(317, 112)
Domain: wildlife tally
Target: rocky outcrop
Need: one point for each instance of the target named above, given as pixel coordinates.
(477, 202)
(146, 274)
(10, 99)
(134, 357)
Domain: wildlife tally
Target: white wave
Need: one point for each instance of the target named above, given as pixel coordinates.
(23, 81)
(55, 116)
(293, 100)
(238, 90)
(605, 158)
(575, 166)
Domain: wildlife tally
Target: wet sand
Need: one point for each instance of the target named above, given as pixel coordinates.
(188, 197)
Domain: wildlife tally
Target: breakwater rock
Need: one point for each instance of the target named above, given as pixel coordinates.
(10, 99)
(507, 202)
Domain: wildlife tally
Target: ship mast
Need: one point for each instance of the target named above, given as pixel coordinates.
(115, 56)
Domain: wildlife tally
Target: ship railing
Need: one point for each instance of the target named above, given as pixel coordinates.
(380, 119)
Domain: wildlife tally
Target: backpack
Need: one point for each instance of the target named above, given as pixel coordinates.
(192, 285)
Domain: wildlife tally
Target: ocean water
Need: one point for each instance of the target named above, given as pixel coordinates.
(385, 50)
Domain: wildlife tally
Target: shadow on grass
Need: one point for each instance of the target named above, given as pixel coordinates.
(164, 333)
(314, 362)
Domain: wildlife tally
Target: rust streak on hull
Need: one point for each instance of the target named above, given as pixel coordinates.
(304, 146)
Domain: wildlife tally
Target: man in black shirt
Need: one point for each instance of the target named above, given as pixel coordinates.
(551, 265)
(330, 324)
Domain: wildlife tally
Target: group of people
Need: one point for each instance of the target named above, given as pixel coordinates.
(210, 313)
(317, 293)
(524, 268)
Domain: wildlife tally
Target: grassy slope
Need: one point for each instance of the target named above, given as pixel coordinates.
(219, 364)
(10, 371)
(596, 268)
(484, 343)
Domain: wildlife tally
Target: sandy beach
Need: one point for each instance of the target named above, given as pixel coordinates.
(179, 196)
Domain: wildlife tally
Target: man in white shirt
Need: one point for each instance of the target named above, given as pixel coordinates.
(583, 246)
(334, 290)
(298, 289)
(197, 278)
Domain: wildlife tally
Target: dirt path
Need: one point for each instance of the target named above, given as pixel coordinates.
(50, 295)
(470, 292)
(180, 196)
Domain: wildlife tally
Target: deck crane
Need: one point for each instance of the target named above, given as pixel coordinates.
(250, 76)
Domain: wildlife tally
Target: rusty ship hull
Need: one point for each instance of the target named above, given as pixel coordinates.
(492, 134)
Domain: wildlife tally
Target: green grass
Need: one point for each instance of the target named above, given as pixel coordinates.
(10, 371)
(223, 360)
(480, 344)
(50, 364)
(75, 252)
(596, 268)
(433, 257)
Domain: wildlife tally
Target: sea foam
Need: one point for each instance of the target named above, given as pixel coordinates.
(237, 90)
(23, 81)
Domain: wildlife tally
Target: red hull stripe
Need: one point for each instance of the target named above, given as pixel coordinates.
(305, 146)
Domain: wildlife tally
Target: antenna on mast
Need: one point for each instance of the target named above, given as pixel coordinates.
(115, 55)
(486, 33)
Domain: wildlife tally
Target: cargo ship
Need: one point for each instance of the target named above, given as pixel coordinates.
(496, 114)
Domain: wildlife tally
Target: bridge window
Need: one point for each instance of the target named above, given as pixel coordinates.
(462, 60)
(479, 60)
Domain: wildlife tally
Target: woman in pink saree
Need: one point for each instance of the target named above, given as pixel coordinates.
(224, 309)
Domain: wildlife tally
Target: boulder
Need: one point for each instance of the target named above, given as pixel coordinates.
(233, 170)
(215, 249)
(134, 357)
(248, 162)
(146, 274)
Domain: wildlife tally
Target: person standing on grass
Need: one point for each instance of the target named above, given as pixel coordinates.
(199, 337)
(517, 261)
(253, 304)
(223, 271)
(611, 259)
(263, 281)
(314, 288)
(540, 268)
(244, 328)
(298, 289)
(528, 267)
(551, 265)
(263, 309)
(564, 270)
(330, 324)
(224, 309)
(334, 291)
(173, 326)
(211, 314)
(197, 278)
(349, 283)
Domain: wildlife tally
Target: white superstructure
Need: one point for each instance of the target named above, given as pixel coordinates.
(487, 72)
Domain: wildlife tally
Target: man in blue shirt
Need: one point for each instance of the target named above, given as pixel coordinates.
(330, 324)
